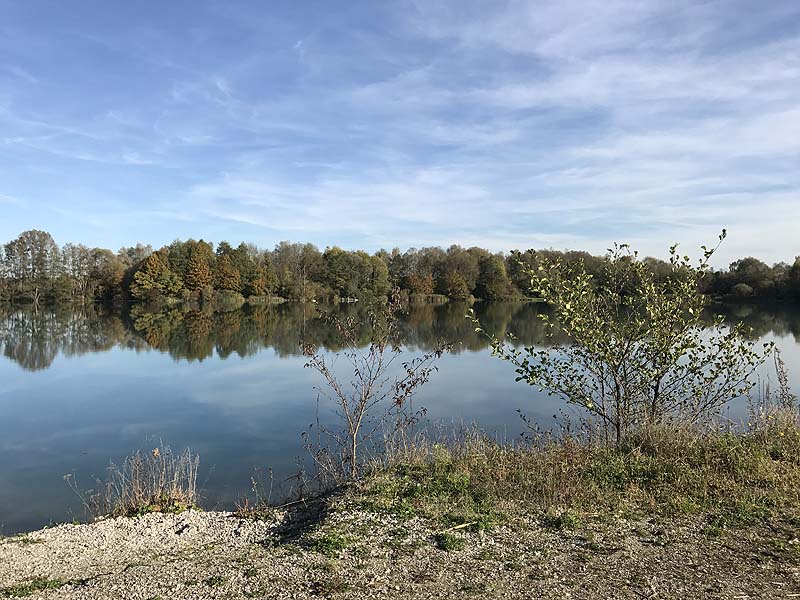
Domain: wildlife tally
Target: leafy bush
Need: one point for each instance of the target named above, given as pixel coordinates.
(640, 352)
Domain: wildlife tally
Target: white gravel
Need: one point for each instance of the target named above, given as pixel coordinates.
(198, 555)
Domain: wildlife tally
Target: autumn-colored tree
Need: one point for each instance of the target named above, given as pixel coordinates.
(198, 273)
(419, 284)
(155, 279)
(264, 281)
(228, 276)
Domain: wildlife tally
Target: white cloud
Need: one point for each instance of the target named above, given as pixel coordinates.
(509, 124)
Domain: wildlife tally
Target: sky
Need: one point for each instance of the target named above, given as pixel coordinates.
(504, 124)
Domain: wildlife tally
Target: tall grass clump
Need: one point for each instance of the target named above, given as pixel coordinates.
(155, 481)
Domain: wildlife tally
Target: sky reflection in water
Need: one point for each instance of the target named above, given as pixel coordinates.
(81, 389)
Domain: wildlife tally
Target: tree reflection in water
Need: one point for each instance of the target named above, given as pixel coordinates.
(33, 339)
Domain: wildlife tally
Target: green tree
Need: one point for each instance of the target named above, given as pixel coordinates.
(493, 282)
(33, 262)
(107, 276)
(379, 284)
(456, 287)
(742, 290)
(639, 350)
(754, 273)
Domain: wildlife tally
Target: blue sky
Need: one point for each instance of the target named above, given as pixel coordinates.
(410, 123)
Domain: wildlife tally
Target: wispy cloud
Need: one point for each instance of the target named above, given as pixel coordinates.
(511, 124)
(5, 199)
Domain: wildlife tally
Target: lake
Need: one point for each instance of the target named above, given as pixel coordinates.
(81, 388)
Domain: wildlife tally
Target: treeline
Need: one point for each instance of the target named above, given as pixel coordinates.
(34, 269)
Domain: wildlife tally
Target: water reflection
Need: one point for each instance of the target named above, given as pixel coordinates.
(34, 339)
(82, 387)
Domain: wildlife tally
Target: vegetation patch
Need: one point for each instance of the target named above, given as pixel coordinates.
(32, 586)
(449, 542)
(331, 543)
(25, 540)
(215, 581)
(146, 482)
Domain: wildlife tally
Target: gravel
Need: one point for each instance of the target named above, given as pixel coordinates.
(343, 551)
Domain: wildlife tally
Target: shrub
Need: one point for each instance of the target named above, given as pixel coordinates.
(640, 352)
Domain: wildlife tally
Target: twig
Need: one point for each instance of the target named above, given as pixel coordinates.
(449, 529)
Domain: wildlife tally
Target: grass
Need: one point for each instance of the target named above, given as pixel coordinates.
(733, 477)
(331, 543)
(25, 540)
(215, 581)
(449, 542)
(32, 586)
(155, 481)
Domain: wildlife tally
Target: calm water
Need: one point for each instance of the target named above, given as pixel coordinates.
(80, 389)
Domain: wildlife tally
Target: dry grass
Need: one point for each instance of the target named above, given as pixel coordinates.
(733, 476)
(155, 481)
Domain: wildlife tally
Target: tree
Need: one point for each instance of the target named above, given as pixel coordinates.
(754, 273)
(77, 261)
(493, 282)
(373, 399)
(155, 279)
(106, 276)
(455, 287)
(263, 283)
(228, 276)
(243, 261)
(296, 266)
(464, 263)
(198, 272)
(794, 279)
(640, 352)
(419, 284)
(33, 261)
(379, 284)
(134, 255)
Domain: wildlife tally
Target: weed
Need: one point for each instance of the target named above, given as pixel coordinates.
(449, 542)
(331, 544)
(215, 581)
(25, 540)
(155, 481)
(560, 520)
(329, 586)
(32, 586)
